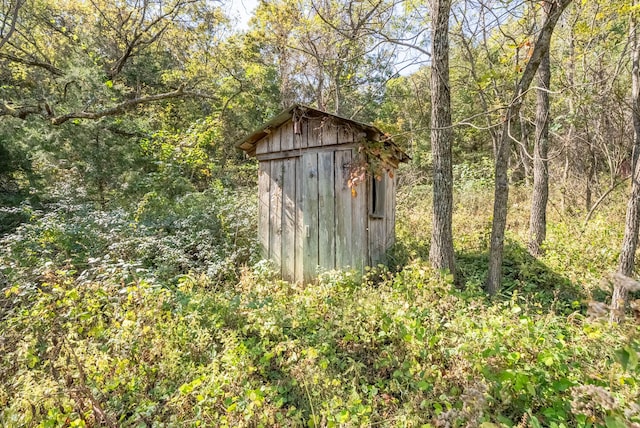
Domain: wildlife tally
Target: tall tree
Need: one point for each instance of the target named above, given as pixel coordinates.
(9, 12)
(501, 191)
(98, 59)
(540, 193)
(325, 51)
(441, 254)
(632, 223)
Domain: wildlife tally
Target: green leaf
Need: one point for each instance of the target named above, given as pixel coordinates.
(546, 358)
(535, 423)
(614, 422)
(522, 381)
(623, 356)
(633, 357)
(562, 385)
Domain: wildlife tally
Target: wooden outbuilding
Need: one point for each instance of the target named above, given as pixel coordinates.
(326, 192)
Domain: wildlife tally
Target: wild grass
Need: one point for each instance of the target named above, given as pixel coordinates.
(102, 328)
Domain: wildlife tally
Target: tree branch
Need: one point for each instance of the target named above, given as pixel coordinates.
(4, 37)
(599, 201)
(49, 67)
(118, 109)
(46, 112)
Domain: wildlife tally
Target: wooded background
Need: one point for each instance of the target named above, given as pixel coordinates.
(119, 174)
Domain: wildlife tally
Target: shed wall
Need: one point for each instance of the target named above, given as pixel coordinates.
(382, 229)
(308, 219)
(290, 138)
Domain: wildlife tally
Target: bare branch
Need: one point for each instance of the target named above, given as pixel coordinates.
(46, 112)
(19, 112)
(599, 201)
(4, 37)
(33, 63)
(118, 109)
(138, 40)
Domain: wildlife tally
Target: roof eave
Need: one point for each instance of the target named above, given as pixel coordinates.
(248, 144)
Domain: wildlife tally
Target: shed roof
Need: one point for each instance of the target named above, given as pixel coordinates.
(248, 144)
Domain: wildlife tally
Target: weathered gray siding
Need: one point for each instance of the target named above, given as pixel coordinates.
(308, 218)
(264, 206)
(309, 190)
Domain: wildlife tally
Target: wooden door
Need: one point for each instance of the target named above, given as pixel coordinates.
(334, 220)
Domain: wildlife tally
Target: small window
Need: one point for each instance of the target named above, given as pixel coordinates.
(377, 200)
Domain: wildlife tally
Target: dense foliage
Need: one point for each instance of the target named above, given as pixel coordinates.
(131, 289)
(145, 319)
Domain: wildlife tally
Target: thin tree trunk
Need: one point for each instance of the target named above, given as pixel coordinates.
(632, 223)
(540, 193)
(523, 151)
(501, 193)
(441, 253)
(565, 177)
(100, 174)
(591, 173)
(9, 23)
(568, 146)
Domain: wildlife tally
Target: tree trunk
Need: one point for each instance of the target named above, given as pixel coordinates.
(569, 143)
(501, 192)
(591, 174)
(632, 223)
(523, 151)
(441, 252)
(540, 193)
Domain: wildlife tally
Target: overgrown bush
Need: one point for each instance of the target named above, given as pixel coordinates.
(210, 233)
(157, 316)
(406, 350)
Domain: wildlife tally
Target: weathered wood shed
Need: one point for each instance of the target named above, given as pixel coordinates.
(326, 192)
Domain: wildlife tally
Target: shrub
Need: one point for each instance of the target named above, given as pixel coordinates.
(159, 317)
(210, 233)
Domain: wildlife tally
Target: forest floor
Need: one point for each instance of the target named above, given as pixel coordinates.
(161, 315)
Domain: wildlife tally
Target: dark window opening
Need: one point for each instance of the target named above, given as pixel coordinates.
(378, 187)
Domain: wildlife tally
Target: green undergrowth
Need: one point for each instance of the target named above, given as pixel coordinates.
(161, 315)
(403, 350)
(577, 257)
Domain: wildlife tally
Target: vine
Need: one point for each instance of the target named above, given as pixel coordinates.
(375, 159)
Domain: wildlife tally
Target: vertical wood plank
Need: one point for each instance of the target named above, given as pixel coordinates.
(344, 134)
(275, 217)
(314, 130)
(376, 240)
(310, 216)
(329, 133)
(299, 232)
(264, 172)
(326, 210)
(288, 218)
(359, 214)
(300, 139)
(305, 134)
(390, 212)
(344, 238)
(262, 146)
(286, 136)
(274, 140)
